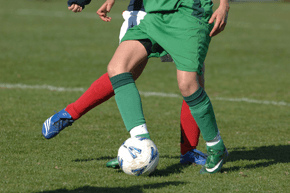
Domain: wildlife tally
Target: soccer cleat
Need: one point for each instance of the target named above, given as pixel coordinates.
(215, 160)
(113, 163)
(193, 156)
(57, 122)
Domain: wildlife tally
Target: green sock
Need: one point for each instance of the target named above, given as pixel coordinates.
(202, 111)
(128, 100)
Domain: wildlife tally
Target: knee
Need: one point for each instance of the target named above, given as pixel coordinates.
(114, 69)
(111, 70)
(187, 82)
(188, 88)
(184, 89)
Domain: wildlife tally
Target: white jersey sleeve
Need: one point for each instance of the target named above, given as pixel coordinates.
(131, 18)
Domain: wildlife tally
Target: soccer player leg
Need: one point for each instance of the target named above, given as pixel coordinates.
(136, 72)
(100, 91)
(127, 56)
(189, 139)
(202, 111)
(189, 57)
(190, 134)
(131, 18)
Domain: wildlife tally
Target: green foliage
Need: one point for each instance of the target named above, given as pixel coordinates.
(42, 43)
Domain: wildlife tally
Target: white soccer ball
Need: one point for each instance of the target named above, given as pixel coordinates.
(138, 156)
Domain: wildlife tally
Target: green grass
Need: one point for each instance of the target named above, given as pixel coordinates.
(41, 43)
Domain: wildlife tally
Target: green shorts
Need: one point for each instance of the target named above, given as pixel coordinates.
(178, 33)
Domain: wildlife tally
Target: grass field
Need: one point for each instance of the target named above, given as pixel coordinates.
(49, 56)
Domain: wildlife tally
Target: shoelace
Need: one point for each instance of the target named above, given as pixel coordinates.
(197, 155)
(203, 156)
(59, 124)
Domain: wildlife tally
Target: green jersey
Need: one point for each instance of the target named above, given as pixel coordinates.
(161, 5)
(201, 9)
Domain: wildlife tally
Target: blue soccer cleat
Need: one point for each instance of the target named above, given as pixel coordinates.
(193, 156)
(57, 122)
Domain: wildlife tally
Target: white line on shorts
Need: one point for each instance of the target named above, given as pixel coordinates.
(146, 94)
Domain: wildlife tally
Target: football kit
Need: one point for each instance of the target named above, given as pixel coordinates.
(101, 90)
(176, 27)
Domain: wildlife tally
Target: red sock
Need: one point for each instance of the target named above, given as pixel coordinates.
(189, 130)
(100, 91)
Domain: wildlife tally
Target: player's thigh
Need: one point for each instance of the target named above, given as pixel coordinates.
(132, 18)
(137, 71)
(128, 55)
